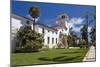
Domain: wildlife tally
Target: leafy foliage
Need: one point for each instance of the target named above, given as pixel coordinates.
(93, 34)
(84, 33)
(34, 11)
(29, 40)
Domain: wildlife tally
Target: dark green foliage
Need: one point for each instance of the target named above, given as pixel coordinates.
(28, 40)
(93, 34)
(90, 18)
(84, 34)
(34, 11)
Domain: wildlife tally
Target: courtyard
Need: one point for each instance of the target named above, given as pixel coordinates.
(49, 56)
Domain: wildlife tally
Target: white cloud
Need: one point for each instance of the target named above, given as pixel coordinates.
(79, 20)
(76, 21)
(89, 29)
(77, 29)
(71, 25)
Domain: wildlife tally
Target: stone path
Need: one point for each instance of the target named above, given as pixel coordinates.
(91, 55)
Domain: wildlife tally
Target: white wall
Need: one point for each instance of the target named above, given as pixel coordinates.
(51, 34)
(15, 25)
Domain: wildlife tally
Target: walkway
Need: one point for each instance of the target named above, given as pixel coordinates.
(90, 56)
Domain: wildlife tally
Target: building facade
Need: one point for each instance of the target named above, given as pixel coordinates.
(50, 34)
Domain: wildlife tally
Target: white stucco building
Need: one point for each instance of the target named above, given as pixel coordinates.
(51, 34)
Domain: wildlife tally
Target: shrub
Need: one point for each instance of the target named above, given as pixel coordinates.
(29, 40)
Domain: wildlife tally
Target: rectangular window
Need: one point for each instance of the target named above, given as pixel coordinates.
(52, 40)
(42, 30)
(48, 40)
(56, 40)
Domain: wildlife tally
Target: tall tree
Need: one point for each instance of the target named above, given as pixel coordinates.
(84, 34)
(93, 34)
(34, 12)
(84, 30)
(90, 21)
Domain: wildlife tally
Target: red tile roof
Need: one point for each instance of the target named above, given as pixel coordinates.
(59, 27)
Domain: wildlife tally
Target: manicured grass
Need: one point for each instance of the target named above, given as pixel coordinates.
(49, 56)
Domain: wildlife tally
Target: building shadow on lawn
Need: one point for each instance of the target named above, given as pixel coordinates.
(59, 59)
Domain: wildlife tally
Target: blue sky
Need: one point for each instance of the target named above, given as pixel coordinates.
(50, 11)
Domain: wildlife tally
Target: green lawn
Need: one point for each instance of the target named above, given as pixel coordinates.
(49, 56)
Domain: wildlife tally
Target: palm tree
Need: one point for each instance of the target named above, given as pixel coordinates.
(85, 26)
(93, 34)
(84, 30)
(34, 12)
(84, 34)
